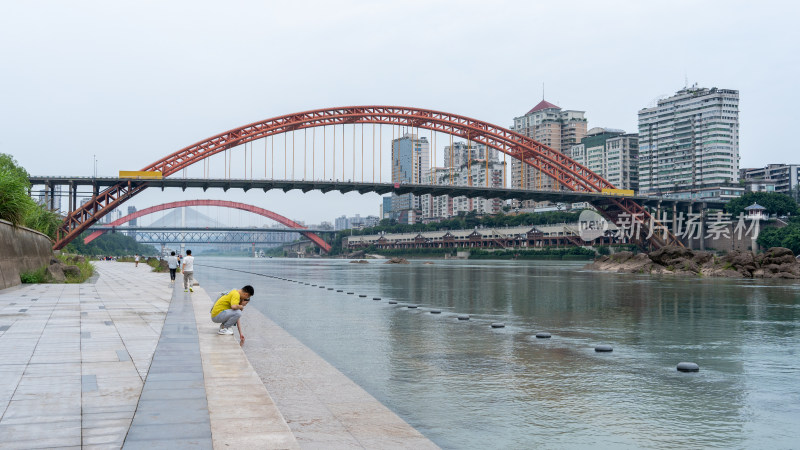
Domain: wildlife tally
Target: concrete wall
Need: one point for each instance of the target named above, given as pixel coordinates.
(21, 250)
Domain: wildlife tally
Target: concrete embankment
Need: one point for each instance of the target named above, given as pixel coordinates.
(21, 250)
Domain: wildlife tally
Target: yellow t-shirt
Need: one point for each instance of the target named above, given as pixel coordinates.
(225, 302)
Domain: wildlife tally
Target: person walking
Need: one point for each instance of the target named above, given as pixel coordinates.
(188, 271)
(172, 263)
(227, 310)
(136, 259)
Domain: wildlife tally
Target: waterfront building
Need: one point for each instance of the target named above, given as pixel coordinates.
(525, 236)
(689, 141)
(610, 153)
(720, 192)
(410, 165)
(785, 177)
(550, 125)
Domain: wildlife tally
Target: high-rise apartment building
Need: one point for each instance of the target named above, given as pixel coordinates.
(610, 153)
(550, 125)
(689, 141)
(466, 164)
(410, 165)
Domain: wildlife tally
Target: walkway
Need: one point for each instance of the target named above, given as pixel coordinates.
(76, 370)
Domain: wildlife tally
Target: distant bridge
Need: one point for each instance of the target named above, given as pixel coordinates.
(316, 239)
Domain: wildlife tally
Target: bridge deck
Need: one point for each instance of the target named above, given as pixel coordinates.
(369, 187)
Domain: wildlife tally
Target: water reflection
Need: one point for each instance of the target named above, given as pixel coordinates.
(466, 385)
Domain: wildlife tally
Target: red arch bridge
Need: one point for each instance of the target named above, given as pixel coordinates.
(200, 234)
(325, 165)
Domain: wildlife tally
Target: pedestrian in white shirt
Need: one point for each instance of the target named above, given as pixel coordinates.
(188, 271)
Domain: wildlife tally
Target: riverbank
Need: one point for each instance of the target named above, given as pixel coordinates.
(776, 262)
(126, 361)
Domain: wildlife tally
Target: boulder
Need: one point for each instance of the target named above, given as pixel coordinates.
(621, 257)
(72, 271)
(55, 261)
(55, 273)
(669, 254)
(359, 261)
(701, 258)
(397, 261)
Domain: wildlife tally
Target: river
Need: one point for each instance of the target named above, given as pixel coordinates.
(465, 384)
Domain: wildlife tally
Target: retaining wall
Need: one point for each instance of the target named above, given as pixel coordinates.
(21, 250)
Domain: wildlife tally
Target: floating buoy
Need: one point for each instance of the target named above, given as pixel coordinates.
(314, 285)
(340, 290)
(362, 295)
(322, 287)
(604, 348)
(412, 306)
(463, 317)
(543, 335)
(436, 311)
(498, 325)
(688, 367)
(376, 298)
(392, 302)
(330, 289)
(350, 293)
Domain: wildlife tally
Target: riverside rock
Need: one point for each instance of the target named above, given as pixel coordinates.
(776, 262)
(397, 261)
(55, 273)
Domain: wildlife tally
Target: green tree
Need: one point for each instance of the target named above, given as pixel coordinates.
(788, 236)
(775, 203)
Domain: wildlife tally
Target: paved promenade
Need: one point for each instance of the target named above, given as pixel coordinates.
(127, 362)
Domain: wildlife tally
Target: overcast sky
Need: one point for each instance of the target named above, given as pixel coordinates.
(132, 81)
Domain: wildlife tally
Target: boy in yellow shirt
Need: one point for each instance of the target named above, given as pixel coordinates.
(227, 310)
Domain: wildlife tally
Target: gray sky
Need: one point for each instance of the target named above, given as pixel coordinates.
(132, 81)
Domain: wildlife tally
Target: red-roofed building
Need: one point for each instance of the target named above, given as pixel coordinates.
(550, 125)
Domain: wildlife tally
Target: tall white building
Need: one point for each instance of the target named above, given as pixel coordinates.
(610, 153)
(410, 165)
(689, 140)
(466, 164)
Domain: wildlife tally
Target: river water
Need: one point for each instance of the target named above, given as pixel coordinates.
(465, 384)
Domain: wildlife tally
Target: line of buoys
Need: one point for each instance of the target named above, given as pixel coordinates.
(463, 317)
(688, 367)
(604, 348)
(543, 335)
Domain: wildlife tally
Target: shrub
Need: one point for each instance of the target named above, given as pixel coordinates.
(34, 276)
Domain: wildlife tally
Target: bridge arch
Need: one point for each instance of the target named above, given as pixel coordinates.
(564, 170)
(315, 238)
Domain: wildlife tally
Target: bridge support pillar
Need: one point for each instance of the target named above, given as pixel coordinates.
(689, 243)
(702, 226)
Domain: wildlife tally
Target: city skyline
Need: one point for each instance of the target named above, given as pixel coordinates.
(121, 58)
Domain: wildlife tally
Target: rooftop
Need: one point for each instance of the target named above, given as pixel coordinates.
(544, 104)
